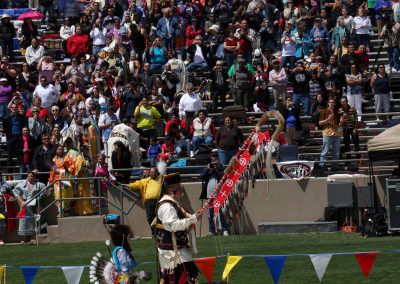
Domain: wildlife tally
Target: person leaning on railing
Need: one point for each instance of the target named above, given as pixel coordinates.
(150, 189)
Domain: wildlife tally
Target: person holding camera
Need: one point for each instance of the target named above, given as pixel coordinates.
(157, 56)
(219, 86)
(98, 36)
(211, 177)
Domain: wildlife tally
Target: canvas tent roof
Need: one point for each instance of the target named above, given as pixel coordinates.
(385, 146)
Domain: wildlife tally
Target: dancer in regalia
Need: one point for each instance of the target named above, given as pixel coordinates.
(120, 268)
(175, 235)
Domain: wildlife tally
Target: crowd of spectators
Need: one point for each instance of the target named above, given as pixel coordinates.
(151, 65)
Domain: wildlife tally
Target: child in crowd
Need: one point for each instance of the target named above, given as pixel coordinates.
(101, 170)
(168, 150)
(153, 151)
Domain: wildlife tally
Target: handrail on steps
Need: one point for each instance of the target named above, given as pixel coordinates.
(123, 192)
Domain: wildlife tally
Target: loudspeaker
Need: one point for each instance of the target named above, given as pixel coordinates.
(393, 204)
(341, 194)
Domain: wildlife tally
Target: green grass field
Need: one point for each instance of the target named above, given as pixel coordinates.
(298, 269)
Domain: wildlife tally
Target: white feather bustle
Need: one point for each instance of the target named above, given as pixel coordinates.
(162, 167)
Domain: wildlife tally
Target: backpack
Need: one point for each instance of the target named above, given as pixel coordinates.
(203, 154)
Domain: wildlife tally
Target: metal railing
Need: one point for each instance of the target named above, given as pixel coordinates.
(123, 193)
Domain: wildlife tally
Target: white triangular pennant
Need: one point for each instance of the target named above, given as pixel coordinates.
(320, 262)
(73, 274)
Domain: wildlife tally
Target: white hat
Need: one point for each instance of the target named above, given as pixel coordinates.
(3, 80)
(214, 28)
(257, 52)
(4, 16)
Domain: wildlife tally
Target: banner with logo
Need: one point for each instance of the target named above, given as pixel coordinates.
(295, 169)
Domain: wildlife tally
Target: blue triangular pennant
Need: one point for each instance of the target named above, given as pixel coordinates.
(29, 273)
(275, 265)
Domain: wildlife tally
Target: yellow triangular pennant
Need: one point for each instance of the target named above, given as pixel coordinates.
(230, 264)
(2, 269)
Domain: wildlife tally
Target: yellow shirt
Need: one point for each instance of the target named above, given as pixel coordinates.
(148, 116)
(149, 188)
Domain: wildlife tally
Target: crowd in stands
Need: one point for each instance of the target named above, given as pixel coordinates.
(152, 65)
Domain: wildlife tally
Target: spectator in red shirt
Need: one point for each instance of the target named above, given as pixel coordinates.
(174, 122)
(178, 129)
(362, 52)
(77, 42)
(37, 102)
(192, 31)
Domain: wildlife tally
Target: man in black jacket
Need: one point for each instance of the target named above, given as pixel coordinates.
(211, 176)
(218, 85)
(301, 89)
(42, 158)
(197, 55)
(7, 33)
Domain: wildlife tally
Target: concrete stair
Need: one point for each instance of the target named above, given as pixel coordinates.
(296, 227)
(76, 229)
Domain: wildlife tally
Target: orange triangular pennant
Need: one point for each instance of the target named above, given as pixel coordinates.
(206, 266)
(366, 261)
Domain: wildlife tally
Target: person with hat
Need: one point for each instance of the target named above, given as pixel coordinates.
(212, 20)
(175, 234)
(192, 31)
(319, 33)
(7, 33)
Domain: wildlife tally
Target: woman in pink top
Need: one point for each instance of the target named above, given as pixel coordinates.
(46, 67)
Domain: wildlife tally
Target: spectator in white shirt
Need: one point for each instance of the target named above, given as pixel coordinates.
(190, 102)
(34, 53)
(98, 36)
(47, 92)
(67, 30)
(362, 25)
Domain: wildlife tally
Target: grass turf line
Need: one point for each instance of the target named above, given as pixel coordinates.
(297, 269)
